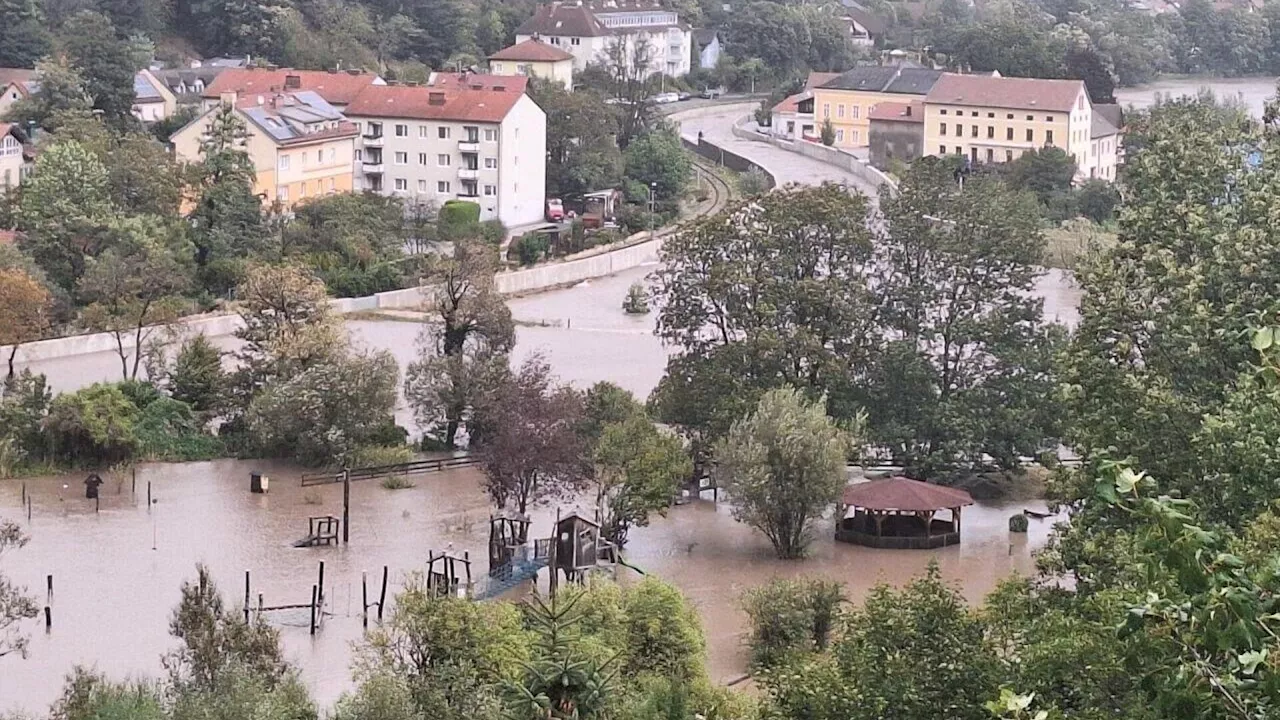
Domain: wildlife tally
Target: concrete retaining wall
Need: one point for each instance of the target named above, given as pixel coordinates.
(819, 152)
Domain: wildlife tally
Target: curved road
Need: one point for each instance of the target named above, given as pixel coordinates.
(787, 167)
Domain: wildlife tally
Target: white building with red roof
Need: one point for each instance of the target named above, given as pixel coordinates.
(590, 30)
(474, 137)
(534, 58)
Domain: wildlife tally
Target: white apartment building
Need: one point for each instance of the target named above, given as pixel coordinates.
(588, 32)
(485, 143)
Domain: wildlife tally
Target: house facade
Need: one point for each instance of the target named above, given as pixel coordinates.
(12, 156)
(153, 101)
(301, 146)
(482, 142)
(792, 119)
(591, 32)
(15, 84)
(896, 133)
(847, 99)
(534, 58)
(996, 119)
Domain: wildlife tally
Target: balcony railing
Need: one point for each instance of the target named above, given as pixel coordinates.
(469, 146)
(371, 168)
(373, 140)
(469, 173)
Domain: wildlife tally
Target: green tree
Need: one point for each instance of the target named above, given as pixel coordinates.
(95, 424)
(559, 682)
(63, 207)
(61, 89)
(828, 133)
(89, 695)
(582, 153)
(143, 177)
(352, 242)
(1097, 200)
(784, 467)
(136, 284)
(288, 324)
(463, 344)
(1046, 172)
(227, 219)
(957, 270)
(439, 657)
(91, 43)
(659, 161)
(25, 305)
(606, 404)
(773, 292)
(197, 377)
(790, 618)
(638, 469)
(24, 37)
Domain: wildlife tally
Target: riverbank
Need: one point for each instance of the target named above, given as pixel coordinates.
(1252, 92)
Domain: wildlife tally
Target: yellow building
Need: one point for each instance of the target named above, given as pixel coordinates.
(846, 99)
(996, 119)
(533, 57)
(300, 145)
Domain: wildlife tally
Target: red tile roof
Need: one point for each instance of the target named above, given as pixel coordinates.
(434, 103)
(478, 81)
(792, 104)
(900, 493)
(1005, 92)
(897, 112)
(338, 87)
(16, 75)
(532, 50)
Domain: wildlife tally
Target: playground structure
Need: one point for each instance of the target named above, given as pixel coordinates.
(323, 530)
(315, 607)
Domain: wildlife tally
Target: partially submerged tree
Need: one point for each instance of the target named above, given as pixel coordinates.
(15, 605)
(784, 468)
(638, 469)
(529, 445)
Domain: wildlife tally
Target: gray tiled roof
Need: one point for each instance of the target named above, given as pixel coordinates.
(887, 79)
(143, 89)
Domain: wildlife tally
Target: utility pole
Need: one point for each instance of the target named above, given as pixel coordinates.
(653, 187)
(346, 505)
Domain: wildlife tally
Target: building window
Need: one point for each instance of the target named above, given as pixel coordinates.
(332, 186)
(442, 187)
(490, 135)
(1009, 116)
(1048, 118)
(1008, 156)
(402, 184)
(942, 149)
(282, 194)
(422, 158)
(1008, 133)
(423, 132)
(840, 111)
(991, 115)
(1093, 150)
(402, 131)
(839, 136)
(943, 111)
(442, 132)
(990, 155)
(1080, 103)
(973, 132)
(442, 160)
(284, 162)
(402, 158)
(302, 189)
(1048, 137)
(333, 154)
(856, 137)
(991, 131)
(855, 111)
(359, 155)
(826, 110)
(575, 41)
(942, 129)
(1031, 118)
(490, 190)
(304, 158)
(1031, 135)
(491, 163)
(422, 186)
(959, 150)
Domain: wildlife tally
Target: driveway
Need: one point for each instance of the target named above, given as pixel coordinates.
(787, 167)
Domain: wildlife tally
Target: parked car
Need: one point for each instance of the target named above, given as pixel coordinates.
(685, 96)
(667, 97)
(555, 210)
(712, 93)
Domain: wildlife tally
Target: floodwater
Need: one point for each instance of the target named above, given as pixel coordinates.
(1254, 92)
(117, 572)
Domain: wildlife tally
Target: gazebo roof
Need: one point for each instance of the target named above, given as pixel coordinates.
(900, 493)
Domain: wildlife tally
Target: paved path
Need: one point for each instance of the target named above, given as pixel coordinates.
(787, 167)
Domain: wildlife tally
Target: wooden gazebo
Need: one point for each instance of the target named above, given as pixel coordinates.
(900, 513)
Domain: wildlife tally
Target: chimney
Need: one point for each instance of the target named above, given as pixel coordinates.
(353, 72)
(435, 98)
(292, 82)
(260, 100)
(499, 88)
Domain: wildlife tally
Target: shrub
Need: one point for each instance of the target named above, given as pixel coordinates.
(828, 135)
(1018, 523)
(530, 248)
(790, 617)
(24, 402)
(140, 392)
(197, 378)
(397, 482)
(753, 182)
(493, 232)
(169, 429)
(378, 455)
(458, 220)
(95, 424)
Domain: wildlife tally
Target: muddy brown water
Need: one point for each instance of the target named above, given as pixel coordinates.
(117, 572)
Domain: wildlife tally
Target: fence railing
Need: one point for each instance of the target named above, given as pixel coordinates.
(416, 467)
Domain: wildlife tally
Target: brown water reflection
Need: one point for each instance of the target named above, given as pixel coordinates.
(114, 590)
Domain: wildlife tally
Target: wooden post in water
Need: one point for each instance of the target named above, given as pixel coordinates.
(382, 596)
(364, 599)
(24, 492)
(28, 508)
(320, 582)
(246, 597)
(148, 496)
(97, 504)
(346, 505)
(48, 618)
(133, 487)
(260, 604)
(314, 595)
(49, 583)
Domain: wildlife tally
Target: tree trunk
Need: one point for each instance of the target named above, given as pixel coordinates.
(13, 352)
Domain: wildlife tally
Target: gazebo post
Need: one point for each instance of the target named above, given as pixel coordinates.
(955, 514)
(928, 523)
(879, 519)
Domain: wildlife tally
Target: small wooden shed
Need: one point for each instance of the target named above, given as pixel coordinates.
(899, 512)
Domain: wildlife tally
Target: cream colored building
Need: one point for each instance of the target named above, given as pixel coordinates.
(300, 145)
(12, 160)
(478, 138)
(589, 31)
(152, 99)
(846, 99)
(15, 84)
(996, 119)
(534, 58)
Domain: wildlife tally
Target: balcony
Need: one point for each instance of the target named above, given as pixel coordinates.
(373, 140)
(469, 173)
(373, 168)
(470, 145)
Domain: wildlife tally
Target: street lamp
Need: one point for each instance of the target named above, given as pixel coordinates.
(653, 187)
